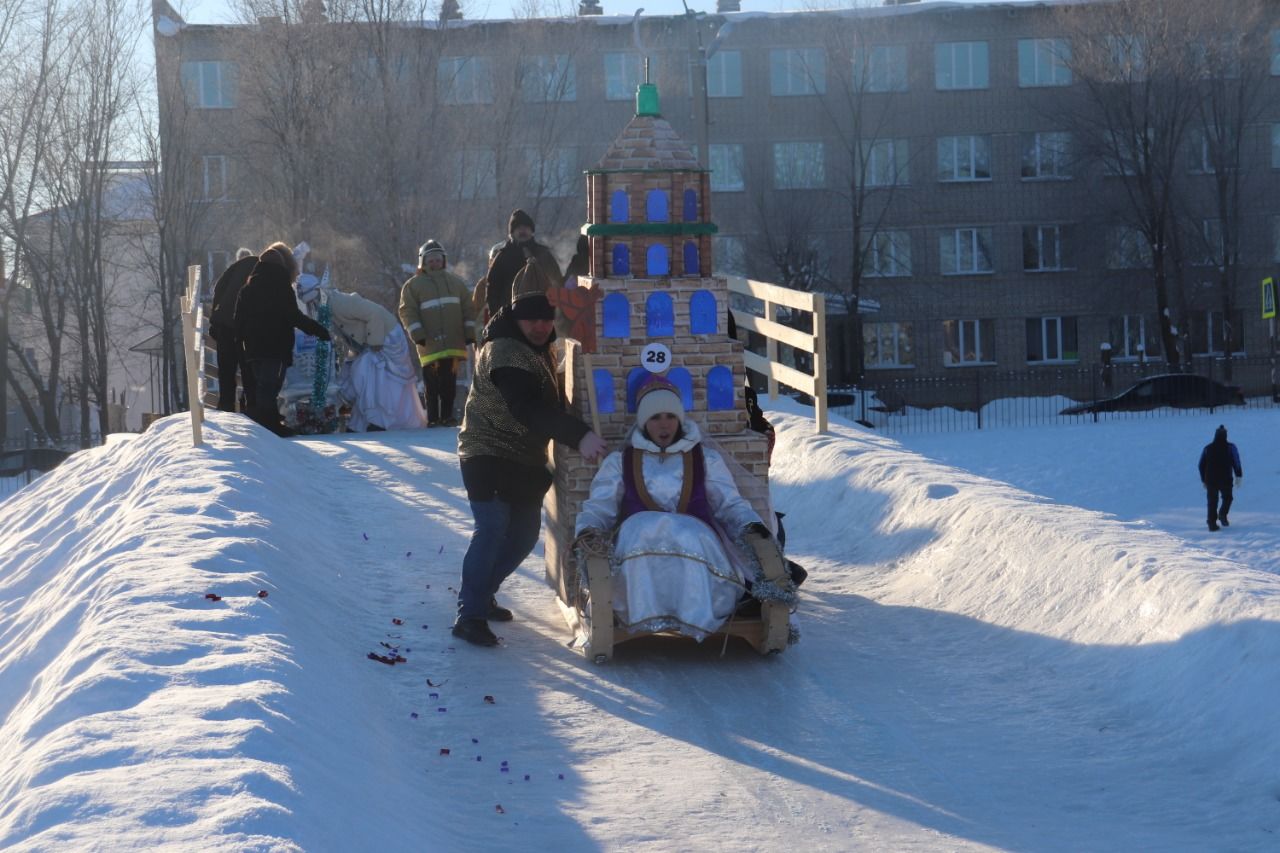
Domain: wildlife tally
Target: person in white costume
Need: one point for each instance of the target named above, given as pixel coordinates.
(678, 516)
(381, 380)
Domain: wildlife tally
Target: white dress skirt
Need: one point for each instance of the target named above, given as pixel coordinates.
(382, 387)
(672, 572)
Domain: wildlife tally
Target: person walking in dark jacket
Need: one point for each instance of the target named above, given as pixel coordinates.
(222, 328)
(514, 407)
(507, 259)
(1218, 461)
(266, 314)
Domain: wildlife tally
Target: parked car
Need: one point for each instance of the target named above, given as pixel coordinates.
(1179, 390)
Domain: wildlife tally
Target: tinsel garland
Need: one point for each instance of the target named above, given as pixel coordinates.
(320, 388)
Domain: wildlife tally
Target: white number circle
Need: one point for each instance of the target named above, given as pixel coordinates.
(656, 358)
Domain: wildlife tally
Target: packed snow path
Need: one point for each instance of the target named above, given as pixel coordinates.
(979, 669)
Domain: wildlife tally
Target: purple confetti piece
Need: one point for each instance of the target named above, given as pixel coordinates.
(408, 553)
(433, 695)
(503, 769)
(475, 740)
(479, 757)
(424, 627)
(441, 551)
(413, 715)
(366, 536)
(526, 777)
(559, 775)
(446, 710)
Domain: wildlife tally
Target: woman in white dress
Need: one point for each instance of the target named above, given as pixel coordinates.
(678, 516)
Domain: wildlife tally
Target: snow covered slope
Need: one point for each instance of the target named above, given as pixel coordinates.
(980, 669)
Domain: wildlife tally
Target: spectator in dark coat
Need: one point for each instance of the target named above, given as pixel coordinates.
(222, 328)
(1218, 461)
(514, 408)
(507, 259)
(266, 314)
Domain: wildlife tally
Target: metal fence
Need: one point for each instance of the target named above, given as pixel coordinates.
(982, 398)
(24, 459)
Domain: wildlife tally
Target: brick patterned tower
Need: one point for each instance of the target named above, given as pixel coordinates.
(651, 287)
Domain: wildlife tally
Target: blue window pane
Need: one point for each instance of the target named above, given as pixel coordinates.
(691, 258)
(619, 206)
(657, 262)
(656, 206)
(690, 205)
(660, 315)
(604, 390)
(621, 261)
(720, 388)
(680, 378)
(634, 379)
(703, 314)
(617, 316)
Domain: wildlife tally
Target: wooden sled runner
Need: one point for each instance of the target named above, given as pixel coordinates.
(591, 615)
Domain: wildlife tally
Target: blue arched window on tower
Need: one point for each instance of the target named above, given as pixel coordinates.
(680, 378)
(719, 388)
(621, 261)
(619, 206)
(660, 315)
(617, 316)
(604, 390)
(656, 261)
(691, 266)
(703, 315)
(657, 207)
(690, 205)
(634, 380)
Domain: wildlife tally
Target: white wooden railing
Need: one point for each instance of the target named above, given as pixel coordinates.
(814, 343)
(193, 351)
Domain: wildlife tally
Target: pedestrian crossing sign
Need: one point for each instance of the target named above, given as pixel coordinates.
(1268, 298)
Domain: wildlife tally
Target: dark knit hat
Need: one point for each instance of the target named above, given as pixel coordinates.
(1220, 432)
(430, 249)
(518, 218)
(529, 294)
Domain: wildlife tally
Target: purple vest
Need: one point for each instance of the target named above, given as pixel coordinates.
(693, 494)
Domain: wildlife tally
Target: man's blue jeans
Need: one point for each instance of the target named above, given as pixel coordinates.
(505, 534)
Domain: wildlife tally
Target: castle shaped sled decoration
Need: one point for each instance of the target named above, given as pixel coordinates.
(650, 305)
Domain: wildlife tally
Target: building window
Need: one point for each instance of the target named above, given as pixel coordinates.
(616, 309)
(1052, 339)
(1046, 156)
(475, 173)
(214, 173)
(621, 261)
(605, 395)
(1127, 56)
(964, 158)
(659, 311)
(657, 206)
(552, 173)
(794, 71)
(1275, 146)
(619, 206)
(887, 345)
(623, 74)
(726, 164)
(690, 205)
(545, 79)
(968, 342)
(799, 165)
(691, 266)
(1044, 248)
(657, 261)
(210, 85)
(720, 389)
(1213, 247)
(888, 254)
(1205, 153)
(464, 80)
(886, 162)
(724, 74)
(1275, 53)
(1127, 158)
(961, 65)
(1130, 338)
(966, 251)
(1044, 62)
(704, 314)
(1210, 331)
(1275, 238)
(880, 68)
(1127, 248)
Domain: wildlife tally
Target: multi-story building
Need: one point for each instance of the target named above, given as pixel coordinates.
(990, 236)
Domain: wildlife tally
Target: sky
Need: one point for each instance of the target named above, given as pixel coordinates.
(1011, 639)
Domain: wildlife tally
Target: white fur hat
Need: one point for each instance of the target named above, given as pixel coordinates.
(657, 395)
